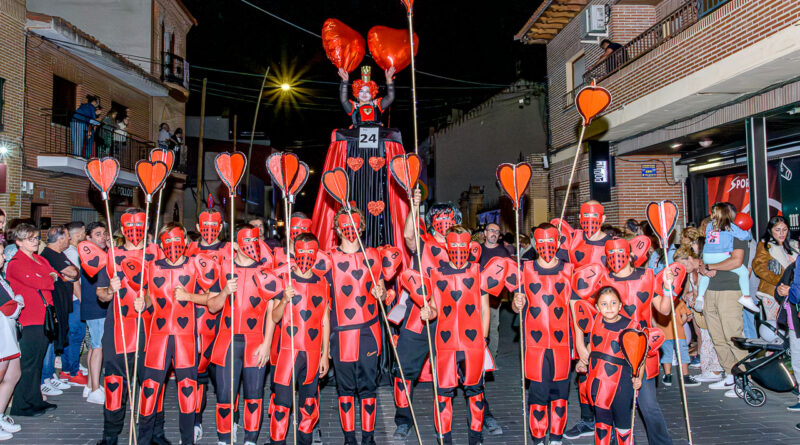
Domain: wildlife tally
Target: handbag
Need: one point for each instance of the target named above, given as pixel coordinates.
(50, 319)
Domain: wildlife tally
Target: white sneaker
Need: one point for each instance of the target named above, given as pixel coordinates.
(58, 384)
(748, 303)
(726, 383)
(731, 394)
(708, 377)
(98, 397)
(48, 390)
(5, 435)
(198, 433)
(85, 391)
(235, 431)
(7, 424)
(83, 369)
(253, 443)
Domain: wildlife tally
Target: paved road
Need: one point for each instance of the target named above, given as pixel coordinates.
(715, 419)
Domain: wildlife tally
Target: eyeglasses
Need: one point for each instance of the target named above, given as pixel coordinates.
(492, 230)
(34, 238)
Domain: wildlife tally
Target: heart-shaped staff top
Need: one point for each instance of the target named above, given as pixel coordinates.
(165, 156)
(405, 170)
(634, 348)
(343, 45)
(288, 172)
(514, 180)
(230, 169)
(591, 101)
(390, 47)
(409, 4)
(662, 217)
(102, 173)
(337, 184)
(151, 176)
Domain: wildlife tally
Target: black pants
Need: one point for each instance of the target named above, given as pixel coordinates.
(412, 348)
(252, 379)
(28, 394)
(618, 416)
(307, 406)
(357, 379)
(153, 381)
(547, 396)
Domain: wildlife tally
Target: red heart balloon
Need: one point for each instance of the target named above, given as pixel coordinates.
(390, 47)
(165, 156)
(102, 173)
(132, 269)
(591, 101)
(230, 168)
(405, 170)
(337, 184)
(375, 207)
(151, 176)
(662, 217)
(93, 258)
(343, 45)
(639, 247)
(514, 180)
(634, 348)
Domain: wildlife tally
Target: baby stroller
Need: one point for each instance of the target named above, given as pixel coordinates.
(764, 364)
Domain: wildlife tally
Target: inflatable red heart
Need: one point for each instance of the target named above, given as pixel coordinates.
(640, 245)
(337, 185)
(634, 348)
(405, 170)
(377, 163)
(591, 101)
(514, 180)
(679, 277)
(93, 258)
(343, 45)
(165, 156)
(102, 173)
(355, 163)
(132, 269)
(662, 217)
(230, 169)
(390, 47)
(151, 176)
(375, 207)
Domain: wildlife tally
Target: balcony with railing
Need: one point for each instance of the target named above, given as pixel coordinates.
(174, 69)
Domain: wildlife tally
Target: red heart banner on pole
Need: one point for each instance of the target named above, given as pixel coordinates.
(514, 180)
(230, 169)
(592, 101)
(151, 176)
(406, 169)
(662, 216)
(634, 348)
(102, 173)
(165, 156)
(337, 184)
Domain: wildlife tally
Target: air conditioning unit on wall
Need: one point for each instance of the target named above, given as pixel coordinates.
(594, 23)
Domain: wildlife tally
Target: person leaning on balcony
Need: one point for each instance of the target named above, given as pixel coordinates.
(106, 132)
(609, 48)
(82, 121)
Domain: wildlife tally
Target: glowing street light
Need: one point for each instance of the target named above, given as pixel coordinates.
(286, 87)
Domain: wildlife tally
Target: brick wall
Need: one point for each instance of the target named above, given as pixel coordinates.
(12, 69)
(633, 192)
(628, 21)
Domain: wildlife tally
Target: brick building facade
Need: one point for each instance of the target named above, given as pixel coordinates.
(12, 76)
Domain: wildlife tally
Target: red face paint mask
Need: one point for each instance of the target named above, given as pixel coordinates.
(210, 226)
(305, 254)
(618, 254)
(248, 243)
(546, 243)
(591, 218)
(441, 222)
(173, 243)
(458, 248)
(133, 227)
(346, 227)
(298, 226)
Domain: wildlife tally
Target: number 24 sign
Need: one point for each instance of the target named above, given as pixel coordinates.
(368, 137)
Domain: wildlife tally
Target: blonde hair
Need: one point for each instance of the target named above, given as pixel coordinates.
(684, 252)
(722, 216)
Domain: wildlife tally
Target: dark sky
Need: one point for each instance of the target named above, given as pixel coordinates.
(470, 40)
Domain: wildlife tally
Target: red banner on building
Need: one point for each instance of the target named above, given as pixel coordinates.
(736, 190)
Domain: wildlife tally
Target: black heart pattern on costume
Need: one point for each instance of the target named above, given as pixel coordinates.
(560, 410)
(615, 347)
(442, 285)
(491, 282)
(159, 281)
(252, 322)
(252, 407)
(582, 323)
(312, 333)
(582, 284)
(470, 308)
(579, 255)
(279, 415)
(596, 340)
(642, 296)
(350, 313)
(183, 322)
(316, 300)
(184, 279)
(559, 335)
(361, 299)
(369, 408)
(357, 274)
(445, 335)
(344, 406)
(558, 312)
(456, 295)
(147, 391)
(305, 314)
(559, 287)
(536, 335)
(447, 310)
(254, 301)
(471, 334)
(535, 287)
(94, 262)
(468, 282)
(629, 309)
(112, 386)
(539, 414)
(291, 330)
(347, 290)
(210, 322)
(187, 391)
(611, 369)
(160, 322)
(343, 266)
(371, 308)
(535, 311)
(548, 299)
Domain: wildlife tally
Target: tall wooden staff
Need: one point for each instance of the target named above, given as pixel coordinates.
(151, 176)
(167, 157)
(409, 4)
(230, 169)
(590, 102)
(290, 175)
(102, 173)
(405, 169)
(337, 184)
(662, 217)
(514, 180)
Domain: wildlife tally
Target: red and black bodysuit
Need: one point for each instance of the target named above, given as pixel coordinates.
(171, 342)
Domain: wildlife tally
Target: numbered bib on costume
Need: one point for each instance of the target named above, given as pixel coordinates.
(368, 137)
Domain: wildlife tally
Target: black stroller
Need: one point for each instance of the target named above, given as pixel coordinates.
(764, 364)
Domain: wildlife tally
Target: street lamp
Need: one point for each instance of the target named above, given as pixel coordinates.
(286, 87)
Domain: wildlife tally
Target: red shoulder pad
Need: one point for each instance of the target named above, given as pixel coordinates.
(495, 275)
(567, 232)
(132, 271)
(269, 285)
(419, 292)
(679, 277)
(584, 315)
(93, 258)
(207, 271)
(639, 247)
(587, 280)
(475, 251)
(323, 264)
(193, 249)
(391, 261)
(154, 252)
(266, 254)
(655, 338)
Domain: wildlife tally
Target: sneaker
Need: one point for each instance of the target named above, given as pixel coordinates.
(5, 435)
(690, 381)
(401, 432)
(797, 426)
(667, 380)
(748, 303)
(726, 383)
(708, 377)
(7, 424)
(492, 427)
(57, 362)
(98, 397)
(581, 429)
(317, 436)
(79, 379)
(86, 391)
(58, 384)
(198, 433)
(731, 394)
(695, 363)
(235, 431)
(48, 390)
(793, 408)
(698, 304)
(83, 369)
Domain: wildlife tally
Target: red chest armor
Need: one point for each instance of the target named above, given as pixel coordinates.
(434, 256)
(606, 361)
(547, 318)
(584, 251)
(219, 252)
(206, 321)
(307, 311)
(128, 292)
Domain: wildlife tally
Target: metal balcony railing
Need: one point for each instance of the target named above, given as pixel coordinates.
(680, 19)
(705, 7)
(174, 69)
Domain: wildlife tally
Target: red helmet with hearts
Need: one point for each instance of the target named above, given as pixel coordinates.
(305, 251)
(173, 242)
(350, 229)
(133, 226)
(298, 225)
(618, 254)
(457, 243)
(591, 217)
(210, 222)
(248, 241)
(546, 242)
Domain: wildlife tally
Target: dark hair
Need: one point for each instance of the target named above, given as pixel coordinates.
(509, 238)
(611, 231)
(544, 226)
(241, 227)
(605, 41)
(133, 210)
(607, 290)
(93, 225)
(632, 225)
(306, 237)
(55, 233)
(76, 225)
(193, 236)
(169, 226)
(441, 207)
(767, 238)
(299, 215)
